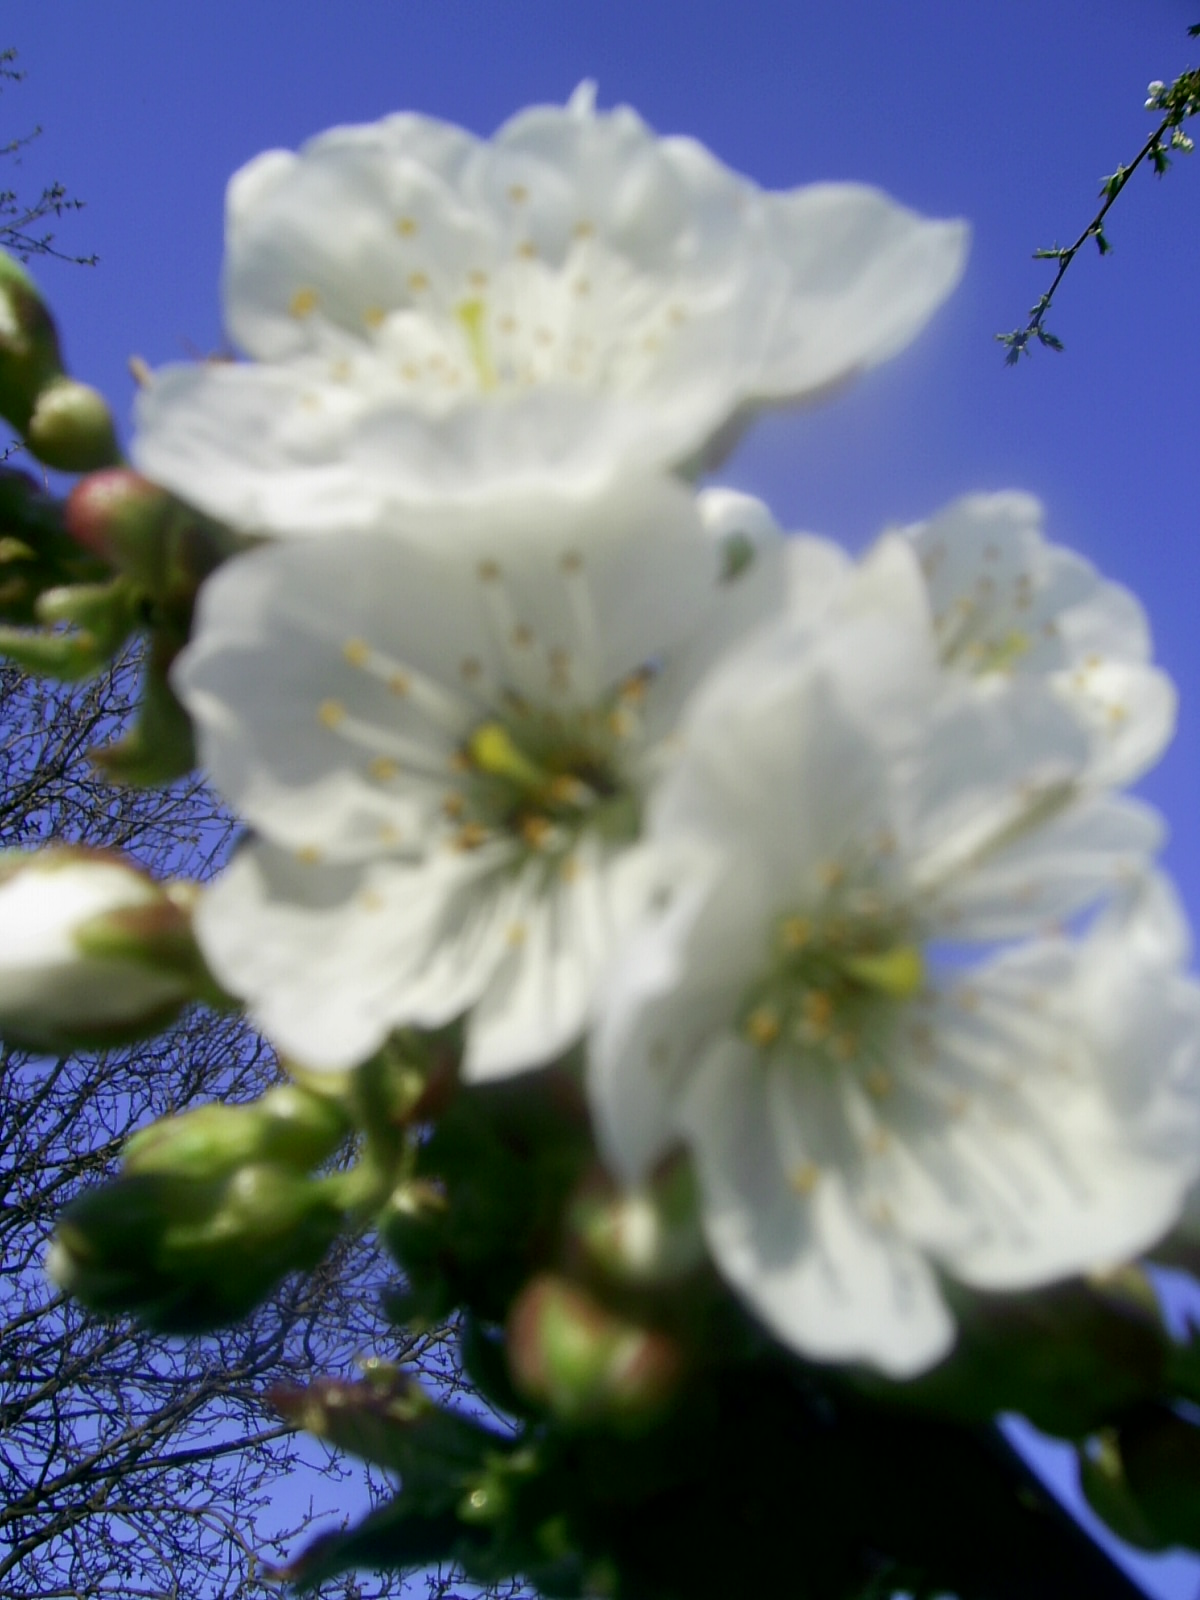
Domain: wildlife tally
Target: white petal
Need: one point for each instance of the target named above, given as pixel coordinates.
(828, 1282)
(865, 276)
(680, 977)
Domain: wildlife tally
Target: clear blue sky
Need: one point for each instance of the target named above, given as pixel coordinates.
(1007, 112)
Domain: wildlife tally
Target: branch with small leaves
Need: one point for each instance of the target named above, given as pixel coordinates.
(1177, 102)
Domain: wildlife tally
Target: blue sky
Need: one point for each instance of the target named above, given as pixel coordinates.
(1007, 112)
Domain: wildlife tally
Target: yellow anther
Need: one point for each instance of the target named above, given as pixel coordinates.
(371, 900)
(493, 750)
(582, 287)
(795, 932)
(383, 768)
(389, 833)
(583, 230)
(331, 713)
(879, 1142)
(374, 316)
(803, 1180)
(406, 227)
(309, 854)
(507, 323)
(518, 194)
(565, 790)
(357, 652)
(897, 973)
(303, 303)
(817, 1009)
(844, 1046)
(487, 571)
(527, 250)
(569, 869)
(470, 837)
(522, 636)
(1117, 714)
(411, 371)
(471, 669)
(471, 315)
(571, 562)
(418, 282)
(398, 684)
(342, 370)
(762, 1027)
(535, 830)
(879, 1083)
(515, 934)
(454, 805)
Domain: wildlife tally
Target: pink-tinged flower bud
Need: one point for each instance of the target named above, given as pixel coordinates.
(29, 353)
(92, 950)
(118, 515)
(585, 1363)
(71, 428)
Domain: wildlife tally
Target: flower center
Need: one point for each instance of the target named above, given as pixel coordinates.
(832, 985)
(542, 777)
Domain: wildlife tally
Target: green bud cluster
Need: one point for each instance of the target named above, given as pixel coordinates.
(189, 1254)
(65, 424)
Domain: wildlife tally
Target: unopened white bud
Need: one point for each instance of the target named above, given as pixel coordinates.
(92, 950)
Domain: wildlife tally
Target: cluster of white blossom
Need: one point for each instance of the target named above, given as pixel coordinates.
(821, 862)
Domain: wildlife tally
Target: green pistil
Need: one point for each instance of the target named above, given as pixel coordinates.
(828, 984)
(472, 314)
(998, 655)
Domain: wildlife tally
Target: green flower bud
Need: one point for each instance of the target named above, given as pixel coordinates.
(584, 1363)
(187, 1254)
(36, 553)
(29, 352)
(71, 428)
(646, 1236)
(289, 1126)
(92, 950)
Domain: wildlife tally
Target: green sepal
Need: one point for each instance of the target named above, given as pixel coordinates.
(160, 746)
(85, 626)
(388, 1419)
(1068, 1357)
(1102, 1479)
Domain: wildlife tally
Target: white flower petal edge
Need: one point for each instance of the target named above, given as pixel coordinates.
(434, 316)
(864, 1112)
(1006, 603)
(1006, 606)
(444, 741)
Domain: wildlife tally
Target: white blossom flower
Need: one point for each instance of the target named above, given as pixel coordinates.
(1007, 603)
(867, 1103)
(442, 742)
(87, 947)
(433, 316)
(1006, 606)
